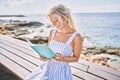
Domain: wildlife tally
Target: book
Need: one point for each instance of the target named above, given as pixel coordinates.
(42, 49)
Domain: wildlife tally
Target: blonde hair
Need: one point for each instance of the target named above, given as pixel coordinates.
(64, 12)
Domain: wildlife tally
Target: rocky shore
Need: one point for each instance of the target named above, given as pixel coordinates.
(106, 56)
(18, 29)
(37, 33)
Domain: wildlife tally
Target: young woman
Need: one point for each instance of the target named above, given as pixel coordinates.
(65, 41)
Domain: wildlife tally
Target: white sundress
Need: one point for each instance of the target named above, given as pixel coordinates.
(52, 69)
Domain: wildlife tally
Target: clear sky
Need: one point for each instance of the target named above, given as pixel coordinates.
(43, 6)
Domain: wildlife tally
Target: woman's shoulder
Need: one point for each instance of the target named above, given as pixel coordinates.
(77, 37)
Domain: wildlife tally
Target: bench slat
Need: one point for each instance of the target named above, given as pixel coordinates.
(76, 78)
(85, 75)
(13, 40)
(18, 70)
(79, 66)
(21, 54)
(84, 62)
(19, 46)
(18, 60)
(105, 69)
(103, 72)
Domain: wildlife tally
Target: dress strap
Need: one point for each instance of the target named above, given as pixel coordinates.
(71, 38)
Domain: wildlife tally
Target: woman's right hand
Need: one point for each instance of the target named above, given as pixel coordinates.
(43, 58)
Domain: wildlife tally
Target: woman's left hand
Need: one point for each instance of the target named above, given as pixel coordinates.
(58, 57)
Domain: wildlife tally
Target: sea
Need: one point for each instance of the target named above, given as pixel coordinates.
(100, 29)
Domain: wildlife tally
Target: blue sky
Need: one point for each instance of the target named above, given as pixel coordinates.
(43, 6)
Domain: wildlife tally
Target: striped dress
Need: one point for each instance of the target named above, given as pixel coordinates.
(52, 69)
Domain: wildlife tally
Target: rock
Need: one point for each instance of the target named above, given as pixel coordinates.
(21, 38)
(87, 52)
(102, 51)
(27, 24)
(2, 27)
(48, 26)
(112, 52)
(9, 27)
(100, 60)
(35, 40)
(91, 48)
(20, 32)
(113, 60)
(41, 30)
(35, 24)
(4, 32)
(40, 40)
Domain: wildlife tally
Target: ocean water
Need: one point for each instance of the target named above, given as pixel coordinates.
(102, 29)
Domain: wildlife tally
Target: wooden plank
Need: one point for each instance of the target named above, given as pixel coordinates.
(106, 69)
(21, 54)
(79, 66)
(104, 72)
(15, 68)
(85, 75)
(22, 47)
(18, 60)
(77, 78)
(84, 62)
(13, 39)
(19, 43)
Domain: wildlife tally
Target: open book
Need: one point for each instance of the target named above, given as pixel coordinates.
(42, 50)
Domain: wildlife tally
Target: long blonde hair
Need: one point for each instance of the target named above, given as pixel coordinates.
(64, 12)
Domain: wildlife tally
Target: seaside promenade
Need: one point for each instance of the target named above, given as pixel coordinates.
(20, 59)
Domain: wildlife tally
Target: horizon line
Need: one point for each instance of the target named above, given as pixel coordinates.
(46, 13)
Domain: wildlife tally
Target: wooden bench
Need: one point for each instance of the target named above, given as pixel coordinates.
(19, 58)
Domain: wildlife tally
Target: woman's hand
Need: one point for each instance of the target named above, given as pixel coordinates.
(43, 58)
(58, 57)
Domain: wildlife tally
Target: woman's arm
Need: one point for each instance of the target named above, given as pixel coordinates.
(49, 39)
(77, 47)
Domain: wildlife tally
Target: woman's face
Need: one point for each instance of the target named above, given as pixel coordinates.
(55, 20)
